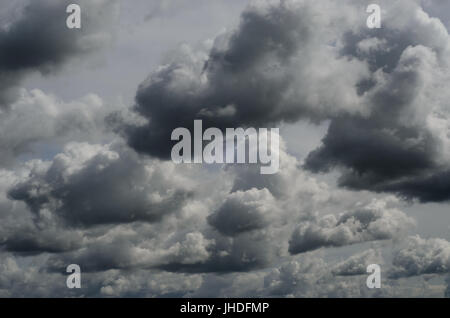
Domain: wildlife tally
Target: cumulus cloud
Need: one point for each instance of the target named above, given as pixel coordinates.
(421, 256)
(55, 45)
(402, 145)
(382, 90)
(244, 211)
(21, 232)
(314, 277)
(251, 221)
(38, 120)
(115, 283)
(141, 226)
(32, 280)
(374, 221)
(124, 253)
(125, 189)
(357, 264)
(269, 69)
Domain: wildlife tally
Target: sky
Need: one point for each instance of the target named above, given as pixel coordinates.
(86, 175)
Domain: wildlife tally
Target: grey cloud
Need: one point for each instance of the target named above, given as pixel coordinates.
(312, 277)
(125, 189)
(24, 233)
(37, 40)
(124, 254)
(305, 276)
(19, 279)
(251, 222)
(357, 264)
(381, 136)
(295, 277)
(375, 221)
(141, 284)
(145, 228)
(421, 256)
(264, 71)
(34, 241)
(36, 119)
(246, 252)
(400, 147)
(244, 211)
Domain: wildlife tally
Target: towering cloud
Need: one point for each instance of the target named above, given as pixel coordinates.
(271, 69)
(402, 146)
(383, 91)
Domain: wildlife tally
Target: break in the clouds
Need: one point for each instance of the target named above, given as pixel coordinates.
(88, 180)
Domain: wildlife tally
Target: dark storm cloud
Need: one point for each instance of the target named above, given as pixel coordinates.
(244, 211)
(38, 40)
(280, 65)
(90, 185)
(433, 187)
(400, 146)
(391, 150)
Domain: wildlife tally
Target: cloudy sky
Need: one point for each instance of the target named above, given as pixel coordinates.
(86, 176)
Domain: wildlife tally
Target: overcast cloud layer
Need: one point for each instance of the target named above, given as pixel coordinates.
(89, 180)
